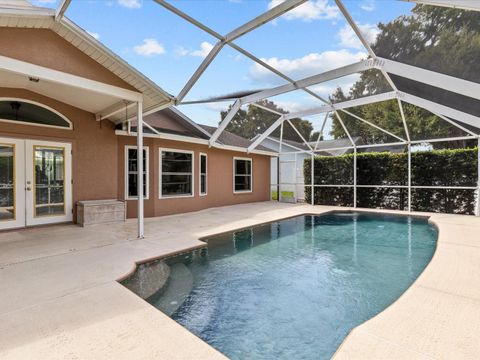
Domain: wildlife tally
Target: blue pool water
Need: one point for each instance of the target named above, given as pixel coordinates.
(293, 289)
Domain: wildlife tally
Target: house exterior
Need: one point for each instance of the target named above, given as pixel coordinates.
(65, 100)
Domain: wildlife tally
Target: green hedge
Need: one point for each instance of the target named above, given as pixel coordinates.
(429, 168)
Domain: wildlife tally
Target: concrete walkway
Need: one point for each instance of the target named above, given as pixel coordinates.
(60, 298)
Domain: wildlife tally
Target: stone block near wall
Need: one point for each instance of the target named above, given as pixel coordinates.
(100, 212)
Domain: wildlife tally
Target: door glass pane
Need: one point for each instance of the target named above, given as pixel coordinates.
(7, 182)
(49, 186)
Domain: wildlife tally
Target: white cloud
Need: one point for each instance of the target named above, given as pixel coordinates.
(94, 35)
(295, 106)
(205, 48)
(131, 4)
(309, 11)
(349, 39)
(327, 89)
(307, 65)
(368, 5)
(150, 47)
(217, 106)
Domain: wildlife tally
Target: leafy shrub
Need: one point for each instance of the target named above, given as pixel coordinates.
(429, 168)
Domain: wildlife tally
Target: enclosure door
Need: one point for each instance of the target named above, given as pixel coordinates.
(12, 183)
(48, 182)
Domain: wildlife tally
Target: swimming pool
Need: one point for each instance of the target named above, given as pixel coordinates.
(294, 288)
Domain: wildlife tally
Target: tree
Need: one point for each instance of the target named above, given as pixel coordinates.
(439, 39)
(253, 121)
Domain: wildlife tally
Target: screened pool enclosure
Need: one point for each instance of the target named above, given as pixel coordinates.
(454, 100)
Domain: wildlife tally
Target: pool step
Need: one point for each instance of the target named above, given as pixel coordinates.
(149, 279)
(179, 286)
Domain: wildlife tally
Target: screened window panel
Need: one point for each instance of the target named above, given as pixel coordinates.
(176, 162)
(173, 185)
(243, 167)
(132, 173)
(177, 174)
(203, 183)
(203, 174)
(243, 183)
(243, 175)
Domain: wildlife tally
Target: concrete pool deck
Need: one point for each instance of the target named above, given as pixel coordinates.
(60, 298)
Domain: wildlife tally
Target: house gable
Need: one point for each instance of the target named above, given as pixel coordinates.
(45, 48)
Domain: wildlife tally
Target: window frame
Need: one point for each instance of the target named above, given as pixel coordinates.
(160, 173)
(147, 172)
(46, 107)
(235, 158)
(200, 193)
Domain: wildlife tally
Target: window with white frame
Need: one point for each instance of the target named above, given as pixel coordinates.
(131, 171)
(242, 175)
(203, 174)
(176, 173)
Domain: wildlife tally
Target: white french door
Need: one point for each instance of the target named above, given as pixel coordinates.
(35, 182)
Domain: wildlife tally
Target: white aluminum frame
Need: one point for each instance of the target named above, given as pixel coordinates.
(160, 173)
(235, 158)
(147, 172)
(385, 66)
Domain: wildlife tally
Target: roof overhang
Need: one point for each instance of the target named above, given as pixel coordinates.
(105, 104)
(192, 140)
(86, 94)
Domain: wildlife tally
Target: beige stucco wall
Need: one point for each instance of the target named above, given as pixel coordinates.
(98, 154)
(94, 146)
(45, 48)
(98, 162)
(219, 178)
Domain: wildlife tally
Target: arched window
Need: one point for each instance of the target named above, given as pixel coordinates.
(28, 112)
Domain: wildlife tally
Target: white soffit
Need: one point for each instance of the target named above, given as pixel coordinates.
(71, 95)
(42, 18)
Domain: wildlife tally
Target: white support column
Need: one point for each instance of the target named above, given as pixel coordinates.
(280, 160)
(140, 170)
(354, 177)
(409, 177)
(312, 193)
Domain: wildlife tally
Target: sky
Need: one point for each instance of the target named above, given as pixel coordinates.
(310, 39)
